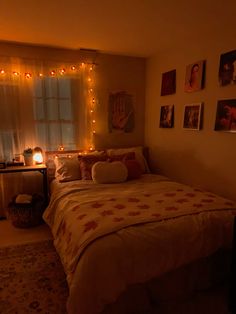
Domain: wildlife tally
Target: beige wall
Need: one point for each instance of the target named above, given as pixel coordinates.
(116, 73)
(205, 158)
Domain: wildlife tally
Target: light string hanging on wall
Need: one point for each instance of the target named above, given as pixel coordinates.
(57, 72)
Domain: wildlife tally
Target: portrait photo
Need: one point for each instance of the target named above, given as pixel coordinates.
(167, 116)
(195, 76)
(192, 116)
(226, 115)
(227, 68)
(168, 83)
(120, 112)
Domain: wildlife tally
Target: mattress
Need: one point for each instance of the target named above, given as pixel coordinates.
(113, 236)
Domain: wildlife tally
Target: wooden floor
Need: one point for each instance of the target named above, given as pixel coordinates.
(10, 235)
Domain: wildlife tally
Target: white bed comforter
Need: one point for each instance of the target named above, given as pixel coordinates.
(110, 236)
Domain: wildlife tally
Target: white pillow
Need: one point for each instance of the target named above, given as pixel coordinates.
(109, 172)
(138, 150)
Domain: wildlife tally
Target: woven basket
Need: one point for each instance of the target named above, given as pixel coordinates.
(26, 215)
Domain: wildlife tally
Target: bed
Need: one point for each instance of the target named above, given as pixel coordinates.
(137, 240)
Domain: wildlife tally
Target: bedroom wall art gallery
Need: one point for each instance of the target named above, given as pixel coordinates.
(195, 81)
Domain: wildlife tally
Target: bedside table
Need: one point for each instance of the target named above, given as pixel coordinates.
(40, 168)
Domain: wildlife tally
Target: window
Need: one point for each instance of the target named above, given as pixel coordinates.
(54, 113)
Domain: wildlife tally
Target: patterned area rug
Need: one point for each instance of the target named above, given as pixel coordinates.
(32, 280)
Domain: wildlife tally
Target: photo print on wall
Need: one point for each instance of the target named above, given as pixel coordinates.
(168, 83)
(195, 76)
(226, 115)
(193, 116)
(167, 116)
(120, 112)
(227, 68)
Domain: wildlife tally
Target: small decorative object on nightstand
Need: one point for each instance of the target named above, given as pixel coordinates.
(28, 156)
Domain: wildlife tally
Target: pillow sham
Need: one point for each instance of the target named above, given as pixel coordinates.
(109, 172)
(86, 163)
(138, 150)
(67, 169)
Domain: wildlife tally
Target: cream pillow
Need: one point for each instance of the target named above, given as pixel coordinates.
(67, 168)
(138, 150)
(109, 172)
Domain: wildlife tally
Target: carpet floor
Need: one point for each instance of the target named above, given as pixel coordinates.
(27, 280)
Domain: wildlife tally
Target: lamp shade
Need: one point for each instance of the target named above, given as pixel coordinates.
(38, 155)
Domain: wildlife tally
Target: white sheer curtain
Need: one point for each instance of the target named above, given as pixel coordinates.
(41, 104)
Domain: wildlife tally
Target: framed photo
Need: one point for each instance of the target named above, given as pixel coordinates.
(226, 115)
(167, 116)
(168, 83)
(120, 112)
(192, 116)
(227, 68)
(195, 77)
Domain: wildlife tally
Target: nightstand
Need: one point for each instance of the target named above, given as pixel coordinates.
(40, 168)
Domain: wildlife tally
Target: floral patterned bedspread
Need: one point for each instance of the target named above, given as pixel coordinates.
(81, 212)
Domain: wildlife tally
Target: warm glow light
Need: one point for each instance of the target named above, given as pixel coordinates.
(62, 71)
(91, 110)
(91, 68)
(38, 158)
(94, 121)
(16, 73)
(73, 68)
(41, 74)
(28, 75)
(52, 73)
(90, 90)
(89, 79)
(82, 64)
(61, 148)
(2, 71)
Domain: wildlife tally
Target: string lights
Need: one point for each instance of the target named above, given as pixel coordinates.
(71, 70)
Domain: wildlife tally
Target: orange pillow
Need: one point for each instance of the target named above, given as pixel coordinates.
(134, 169)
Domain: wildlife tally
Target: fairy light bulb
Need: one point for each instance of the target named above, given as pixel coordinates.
(16, 73)
(2, 72)
(73, 68)
(62, 71)
(40, 74)
(89, 79)
(28, 75)
(52, 73)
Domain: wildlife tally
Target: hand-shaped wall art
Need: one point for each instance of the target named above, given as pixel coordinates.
(121, 112)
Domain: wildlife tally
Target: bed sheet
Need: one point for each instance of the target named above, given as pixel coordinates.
(114, 235)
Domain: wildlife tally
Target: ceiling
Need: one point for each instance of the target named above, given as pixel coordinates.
(127, 27)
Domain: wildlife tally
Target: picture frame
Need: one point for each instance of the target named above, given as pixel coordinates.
(121, 112)
(193, 116)
(227, 68)
(167, 116)
(168, 83)
(226, 116)
(195, 76)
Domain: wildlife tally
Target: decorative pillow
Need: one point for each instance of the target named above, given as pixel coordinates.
(122, 157)
(86, 163)
(67, 169)
(109, 172)
(134, 169)
(138, 150)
